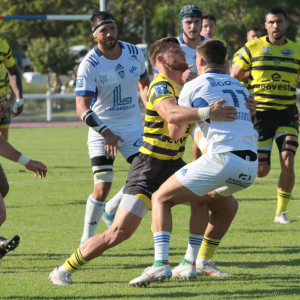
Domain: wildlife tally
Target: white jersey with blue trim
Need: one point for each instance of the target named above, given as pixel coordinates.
(113, 85)
(222, 137)
(190, 53)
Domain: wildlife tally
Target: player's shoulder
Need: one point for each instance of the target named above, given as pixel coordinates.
(4, 47)
(252, 45)
(133, 51)
(237, 53)
(294, 47)
(92, 58)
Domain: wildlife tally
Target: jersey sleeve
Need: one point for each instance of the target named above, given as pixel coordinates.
(86, 81)
(8, 60)
(244, 60)
(160, 91)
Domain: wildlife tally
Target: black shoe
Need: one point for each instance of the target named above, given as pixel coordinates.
(7, 245)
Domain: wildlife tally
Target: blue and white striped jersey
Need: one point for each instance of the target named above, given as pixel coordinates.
(113, 85)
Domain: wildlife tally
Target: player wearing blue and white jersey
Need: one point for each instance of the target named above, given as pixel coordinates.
(107, 100)
(230, 165)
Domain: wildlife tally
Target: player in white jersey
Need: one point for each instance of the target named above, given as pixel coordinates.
(107, 100)
(230, 164)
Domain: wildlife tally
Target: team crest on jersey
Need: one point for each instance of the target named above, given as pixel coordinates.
(122, 74)
(276, 62)
(134, 57)
(108, 78)
(79, 81)
(161, 89)
(287, 52)
(119, 67)
(266, 49)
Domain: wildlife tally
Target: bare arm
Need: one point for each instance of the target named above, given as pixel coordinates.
(16, 85)
(143, 86)
(237, 72)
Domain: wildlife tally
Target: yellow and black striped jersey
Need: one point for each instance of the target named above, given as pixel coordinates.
(234, 59)
(4, 84)
(156, 140)
(6, 57)
(273, 72)
(225, 44)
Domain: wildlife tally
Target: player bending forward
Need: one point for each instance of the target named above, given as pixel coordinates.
(230, 165)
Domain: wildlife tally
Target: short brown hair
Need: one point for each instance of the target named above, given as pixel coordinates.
(213, 51)
(209, 17)
(100, 17)
(159, 47)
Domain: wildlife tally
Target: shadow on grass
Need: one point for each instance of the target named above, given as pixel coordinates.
(78, 202)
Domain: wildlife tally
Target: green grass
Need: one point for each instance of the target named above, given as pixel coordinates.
(48, 216)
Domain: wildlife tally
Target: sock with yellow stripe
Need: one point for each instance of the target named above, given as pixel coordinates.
(74, 262)
(283, 199)
(208, 248)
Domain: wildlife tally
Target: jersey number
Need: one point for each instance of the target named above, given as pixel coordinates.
(234, 96)
(118, 98)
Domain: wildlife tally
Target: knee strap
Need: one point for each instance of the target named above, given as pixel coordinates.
(282, 142)
(264, 160)
(103, 176)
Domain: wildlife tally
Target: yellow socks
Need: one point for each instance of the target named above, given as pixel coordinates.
(208, 248)
(75, 262)
(283, 199)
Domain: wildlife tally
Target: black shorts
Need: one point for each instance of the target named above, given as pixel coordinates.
(270, 123)
(4, 122)
(147, 174)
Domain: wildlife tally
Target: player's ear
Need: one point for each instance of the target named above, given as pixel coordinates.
(202, 61)
(287, 24)
(160, 59)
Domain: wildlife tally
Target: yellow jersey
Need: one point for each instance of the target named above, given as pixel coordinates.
(156, 140)
(273, 72)
(234, 59)
(6, 57)
(4, 84)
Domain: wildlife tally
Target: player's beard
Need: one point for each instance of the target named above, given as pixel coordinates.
(177, 66)
(279, 37)
(107, 46)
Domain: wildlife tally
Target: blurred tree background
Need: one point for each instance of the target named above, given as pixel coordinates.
(139, 20)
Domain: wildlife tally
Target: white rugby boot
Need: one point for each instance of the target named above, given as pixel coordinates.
(152, 274)
(185, 270)
(208, 267)
(281, 218)
(60, 277)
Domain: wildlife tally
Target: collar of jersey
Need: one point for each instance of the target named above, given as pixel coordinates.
(216, 71)
(182, 40)
(100, 54)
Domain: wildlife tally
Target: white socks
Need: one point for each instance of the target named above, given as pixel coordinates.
(161, 245)
(113, 204)
(93, 214)
(194, 245)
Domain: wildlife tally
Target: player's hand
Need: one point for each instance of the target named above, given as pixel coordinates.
(17, 111)
(219, 112)
(251, 105)
(189, 75)
(111, 143)
(37, 168)
(3, 110)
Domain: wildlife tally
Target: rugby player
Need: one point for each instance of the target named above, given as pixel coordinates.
(273, 62)
(252, 34)
(158, 159)
(230, 165)
(4, 85)
(107, 100)
(38, 168)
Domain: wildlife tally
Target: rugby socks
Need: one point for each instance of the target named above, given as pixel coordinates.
(195, 242)
(283, 199)
(74, 262)
(161, 246)
(93, 213)
(208, 248)
(113, 204)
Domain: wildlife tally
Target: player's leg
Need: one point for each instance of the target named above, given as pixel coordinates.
(124, 225)
(287, 145)
(200, 143)
(4, 186)
(222, 214)
(103, 177)
(4, 131)
(4, 125)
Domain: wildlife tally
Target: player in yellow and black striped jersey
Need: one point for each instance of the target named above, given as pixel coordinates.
(274, 65)
(252, 34)
(6, 57)
(4, 85)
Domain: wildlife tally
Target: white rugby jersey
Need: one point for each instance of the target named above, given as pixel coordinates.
(190, 53)
(113, 85)
(207, 89)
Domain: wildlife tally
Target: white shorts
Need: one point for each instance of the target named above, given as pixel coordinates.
(134, 205)
(225, 173)
(203, 141)
(133, 142)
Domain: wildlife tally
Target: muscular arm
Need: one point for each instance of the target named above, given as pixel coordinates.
(143, 86)
(8, 151)
(237, 72)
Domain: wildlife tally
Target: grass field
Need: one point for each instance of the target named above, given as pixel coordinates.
(48, 216)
